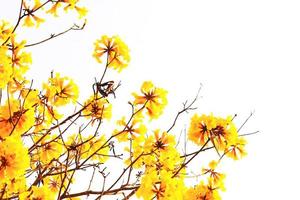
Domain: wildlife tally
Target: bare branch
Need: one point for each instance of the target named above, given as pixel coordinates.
(75, 27)
(186, 107)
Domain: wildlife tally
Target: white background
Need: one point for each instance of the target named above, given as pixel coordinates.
(245, 53)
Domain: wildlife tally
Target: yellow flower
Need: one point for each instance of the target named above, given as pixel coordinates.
(97, 108)
(236, 148)
(5, 31)
(163, 141)
(202, 192)
(200, 127)
(31, 19)
(14, 119)
(44, 116)
(154, 99)
(160, 186)
(38, 193)
(116, 50)
(92, 144)
(5, 67)
(132, 131)
(74, 144)
(50, 148)
(13, 162)
(55, 6)
(19, 58)
(218, 130)
(61, 90)
(14, 186)
(164, 155)
(214, 176)
(73, 4)
(53, 183)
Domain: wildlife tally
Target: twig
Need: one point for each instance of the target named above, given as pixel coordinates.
(251, 114)
(75, 27)
(187, 162)
(246, 134)
(185, 108)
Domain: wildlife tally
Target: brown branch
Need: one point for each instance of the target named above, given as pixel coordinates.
(193, 153)
(17, 24)
(186, 163)
(75, 27)
(128, 167)
(251, 114)
(246, 134)
(107, 192)
(113, 136)
(186, 108)
(3, 191)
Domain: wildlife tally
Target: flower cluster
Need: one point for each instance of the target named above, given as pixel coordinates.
(116, 51)
(222, 133)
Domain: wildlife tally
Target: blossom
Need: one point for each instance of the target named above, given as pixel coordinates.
(30, 17)
(5, 67)
(202, 192)
(5, 31)
(73, 4)
(160, 186)
(134, 131)
(236, 148)
(50, 148)
(19, 57)
(154, 99)
(40, 193)
(214, 176)
(95, 145)
(218, 131)
(13, 163)
(117, 52)
(14, 186)
(60, 90)
(164, 155)
(68, 5)
(97, 108)
(15, 119)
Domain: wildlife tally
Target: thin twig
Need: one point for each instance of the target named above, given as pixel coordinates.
(251, 114)
(75, 27)
(186, 108)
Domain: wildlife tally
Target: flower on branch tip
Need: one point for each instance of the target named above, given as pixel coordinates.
(20, 59)
(115, 49)
(15, 119)
(236, 148)
(154, 99)
(218, 130)
(214, 176)
(5, 31)
(134, 131)
(31, 19)
(97, 108)
(60, 90)
(73, 5)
